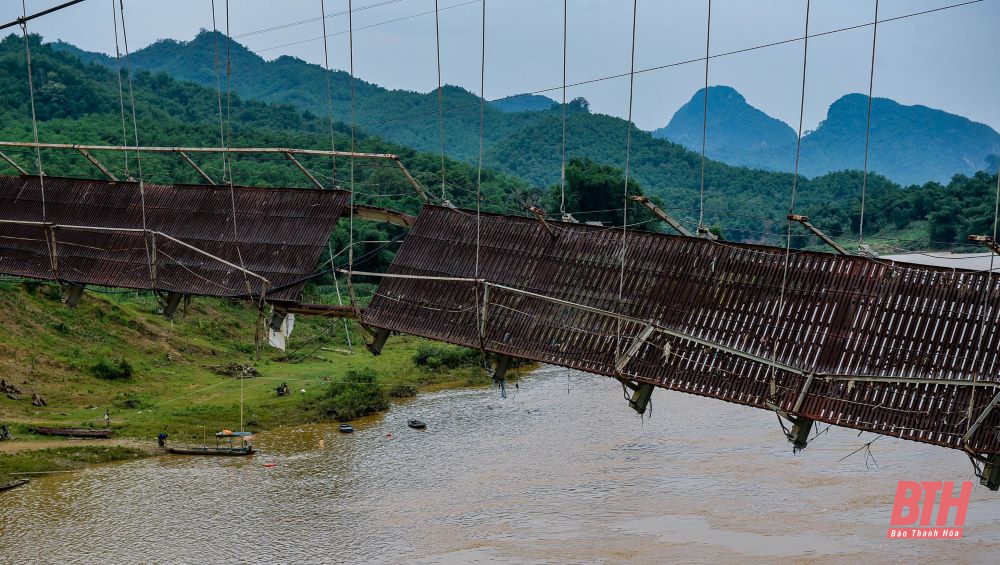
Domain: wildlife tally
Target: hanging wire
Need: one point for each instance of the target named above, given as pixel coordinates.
(868, 129)
(135, 131)
(121, 93)
(329, 96)
(350, 251)
(333, 160)
(704, 123)
(218, 85)
(440, 93)
(34, 119)
(628, 159)
(562, 174)
(791, 207)
(482, 106)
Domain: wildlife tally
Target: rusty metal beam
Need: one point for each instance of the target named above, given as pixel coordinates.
(239, 150)
(986, 241)
(323, 310)
(818, 233)
(539, 215)
(97, 164)
(203, 174)
(384, 215)
(670, 220)
(304, 170)
(13, 163)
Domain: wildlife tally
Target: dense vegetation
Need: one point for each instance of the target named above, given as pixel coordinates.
(79, 103)
(523, 137)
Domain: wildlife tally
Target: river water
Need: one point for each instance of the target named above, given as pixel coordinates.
(560, 471)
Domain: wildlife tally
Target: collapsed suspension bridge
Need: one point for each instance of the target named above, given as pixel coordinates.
(898, 349)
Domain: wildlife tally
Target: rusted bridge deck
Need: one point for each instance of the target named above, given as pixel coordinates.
(897, 349)
(92, 232)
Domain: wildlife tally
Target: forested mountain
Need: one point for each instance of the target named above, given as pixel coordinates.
(909, 144)
(737, 133)
(78, 103)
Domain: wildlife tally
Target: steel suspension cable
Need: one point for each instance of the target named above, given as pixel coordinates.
(482, 106)
(628, 161)
(562, 173)
(329, 95)
(121, 93)
(440, 93)
(704, 123)
(138, 155)
(868, 130)
(218, 88)
(791, 207)
(350, 53)
(333, 159)
(34, 118)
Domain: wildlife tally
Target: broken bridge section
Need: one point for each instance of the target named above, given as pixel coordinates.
(892, 348)
(93, 234)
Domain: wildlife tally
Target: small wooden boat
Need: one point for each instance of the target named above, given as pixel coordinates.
(346, 429)
(13, 484)
(74, 432)
(220, 451)
(416, 424)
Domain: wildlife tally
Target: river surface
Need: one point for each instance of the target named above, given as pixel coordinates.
(560, 471)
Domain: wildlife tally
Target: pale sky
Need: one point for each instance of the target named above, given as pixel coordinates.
(947, 59)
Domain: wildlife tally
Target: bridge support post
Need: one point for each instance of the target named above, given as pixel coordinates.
(501, 366)
(73, 295)
(642, 393)
(378, 342)
(277, 318)
(991, 473)
(170, 305)
(799, 434)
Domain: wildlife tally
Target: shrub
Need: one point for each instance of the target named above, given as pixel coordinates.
(110, 371)
(446, 357)
(358, 395)
(401, 390)
(130, 400)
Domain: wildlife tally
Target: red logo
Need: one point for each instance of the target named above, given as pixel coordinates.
(908, 510)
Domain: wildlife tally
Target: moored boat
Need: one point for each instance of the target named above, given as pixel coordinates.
(221, 451)
(416, 424)
(13, 484)
(346, 428)
(74, 432)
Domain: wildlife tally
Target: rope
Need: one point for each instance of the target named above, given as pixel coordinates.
(34, 120)
(562, 178)
(329, 95)
(791, 208)
(437, 42)
(704, 123)
(121, 94)
(868, 129)
(628, 159)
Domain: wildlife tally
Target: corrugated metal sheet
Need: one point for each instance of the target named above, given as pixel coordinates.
(840, 316)
(280, 234)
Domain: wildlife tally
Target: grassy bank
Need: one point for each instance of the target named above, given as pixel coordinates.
(114, 352)
(29, 464)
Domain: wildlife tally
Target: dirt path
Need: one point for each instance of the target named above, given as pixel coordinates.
(19, 446)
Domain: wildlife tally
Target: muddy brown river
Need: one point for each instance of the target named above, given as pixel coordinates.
(560, 471)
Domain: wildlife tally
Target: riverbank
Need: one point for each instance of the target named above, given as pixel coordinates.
(115, 353)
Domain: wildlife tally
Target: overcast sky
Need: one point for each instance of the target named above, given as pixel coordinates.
(947, 59)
